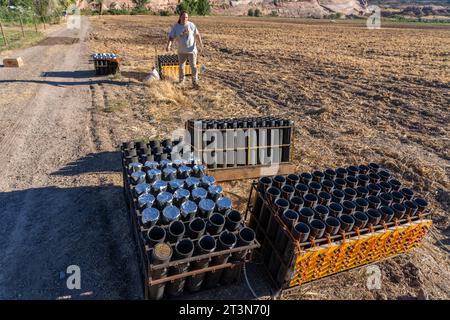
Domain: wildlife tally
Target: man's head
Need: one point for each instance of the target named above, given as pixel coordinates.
(183, 17)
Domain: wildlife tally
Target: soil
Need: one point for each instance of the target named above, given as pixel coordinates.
(356, 96)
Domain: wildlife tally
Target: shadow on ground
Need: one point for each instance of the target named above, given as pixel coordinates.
(67, 83)
(46, 230)
(79, 74)
(108, 161)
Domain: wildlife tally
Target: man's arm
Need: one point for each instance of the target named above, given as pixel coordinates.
(199, 39)
(169, 44)
(171, 38)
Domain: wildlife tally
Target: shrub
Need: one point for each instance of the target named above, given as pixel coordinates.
(164, 13)
(274, 13)
(258, 13)
(250, 13)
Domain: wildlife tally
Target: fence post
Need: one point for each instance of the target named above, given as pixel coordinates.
(3, 33)
(21, 26)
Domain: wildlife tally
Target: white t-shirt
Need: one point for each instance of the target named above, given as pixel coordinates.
(185, 36)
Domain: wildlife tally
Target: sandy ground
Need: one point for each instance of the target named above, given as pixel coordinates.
(356, 96)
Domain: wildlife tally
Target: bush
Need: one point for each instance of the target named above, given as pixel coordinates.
(117, 12)
(164, 13)
(140, 4)
(258, 13)
(200, 7)
(274, 13)
(203, 8)
(139, 11)
(333, 16)
(250, 13)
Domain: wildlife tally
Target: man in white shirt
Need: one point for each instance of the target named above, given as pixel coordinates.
(187, 35)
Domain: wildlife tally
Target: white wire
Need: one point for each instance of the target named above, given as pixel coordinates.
(248, 283)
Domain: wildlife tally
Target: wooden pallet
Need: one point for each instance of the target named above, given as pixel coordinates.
(250, 172)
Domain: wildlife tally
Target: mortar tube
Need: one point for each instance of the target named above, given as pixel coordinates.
(278, 181)
(421, 204)
(227, 240)
(287, 191)
(232, 220)
(341, 173)
(336, 209)
(306, 178)
(386, 199)
(301, 189)
(363, 180)
(175, 231)
(162, 252)
(385, 186)
(327, 186)
(347, 222)
(205, 245)
(351, 182)
(330, 174)
(374, 167)
(324, 198)
(206, 208)
(183, 250)
(374, 202)
(317, 228)
(310, 200)
(318, 176)
(374, 217)
(384, 175)
(408, 194)
(361, 204)
(155, 235)
(215, 224)
(362, 192)
(387, 214)
(246, 237)
(296, 203)
(337, 196)
(353, 170)
(281, 205)
(395, 184)
(374, 178)
(399, 210)
(361, 219)
(196, 228)
(292, 179)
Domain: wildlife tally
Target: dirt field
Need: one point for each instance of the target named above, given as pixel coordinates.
(356, 95)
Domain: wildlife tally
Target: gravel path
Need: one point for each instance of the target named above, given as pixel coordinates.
(60, 204)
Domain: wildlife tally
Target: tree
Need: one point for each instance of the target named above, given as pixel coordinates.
(188, 6)
(250, 12)
(258, 13)
(203, 8)
(140, 4)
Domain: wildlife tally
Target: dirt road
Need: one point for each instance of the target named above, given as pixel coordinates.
(59, 204)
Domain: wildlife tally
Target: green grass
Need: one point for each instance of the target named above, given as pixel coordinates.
(17, 41)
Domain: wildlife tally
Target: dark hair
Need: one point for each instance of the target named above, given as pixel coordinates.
(179, 17)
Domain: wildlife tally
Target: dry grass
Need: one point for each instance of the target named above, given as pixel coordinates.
(356, 96)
